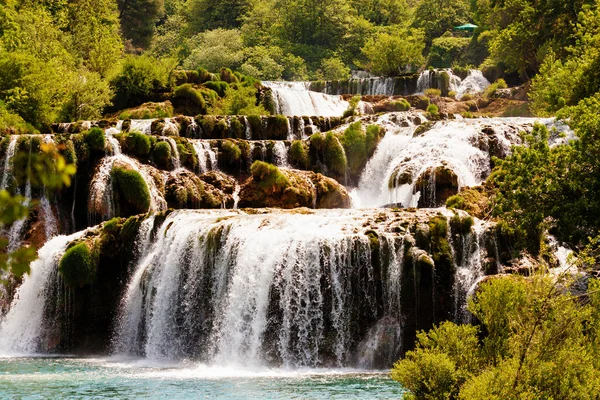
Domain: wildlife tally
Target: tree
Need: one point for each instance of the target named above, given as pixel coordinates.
(436, 17)
(138, 20)
(391, 54)
(215, 49)
(206, 15)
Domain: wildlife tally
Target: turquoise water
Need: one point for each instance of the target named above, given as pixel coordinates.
(77, 378)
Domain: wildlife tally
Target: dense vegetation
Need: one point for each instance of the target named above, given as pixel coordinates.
(72, 60)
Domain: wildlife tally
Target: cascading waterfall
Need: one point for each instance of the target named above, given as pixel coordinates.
(21, 329)
(460, 146)
(474, 83)
(175, 153)
(141, 125)
(280, 153)
(115, 147)
(8, 160)
(101, 198)
(207, 157)
(294, 98)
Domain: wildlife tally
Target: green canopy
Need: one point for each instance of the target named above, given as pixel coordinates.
(466, 27)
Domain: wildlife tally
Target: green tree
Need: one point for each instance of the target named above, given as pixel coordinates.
(138, 20)
(392, 54)
(216, 49)
(206, 15)
(436, 17)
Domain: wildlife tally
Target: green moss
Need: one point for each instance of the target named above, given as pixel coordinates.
(67, 150)
(354, 141)
(317, 140)
(433, 110)
(187, 155)
(138, 144)
(299, 154)
(95, 139)
(231, 151)
(236, 128)
(268, 176)
(374, 134)
(188, 100)
(277, 127)
(335, 157)
(228, 76)
(218, 86)
(400, 105)
(82, 150)
(461, 224)
(440, 247)
(162, 155)
(132, 189)
(77, 266)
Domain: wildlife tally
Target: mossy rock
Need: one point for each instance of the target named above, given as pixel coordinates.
(133, 194)
(330, 193)
(137, 144)
(461, 223)
(231, 152)
(184, 190)
(474, 200)
(162, 155)
(445, 185)
(77, 267)
(188, 101)
(299, 156)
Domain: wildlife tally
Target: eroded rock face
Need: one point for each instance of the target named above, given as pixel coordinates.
(436, 186)
(304, 189)
(185, 189)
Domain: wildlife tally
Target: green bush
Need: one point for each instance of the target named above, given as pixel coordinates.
(218, 86)
(354, 141)
(77, 266)
(138, 144)
(95, 139)
(268, 176)
(352, 107)
(299, 155)
(400, 105)
(231, 151)
(132, 189)
(188, 100)
(433, 110)
(373, 138)
(335, 157)
(432, 93)
(447, 50)
(162, 154)
(493, 88)
(228, 76)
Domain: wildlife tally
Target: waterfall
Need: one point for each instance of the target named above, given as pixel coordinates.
(8, 161)
(294, 98)
(175, 157)
(22, 327)
(101, 198)
(280, 153)
(15, 232)
(115, 147)
(474, 83)
(141, 125)
(207, 157)
(464, 147)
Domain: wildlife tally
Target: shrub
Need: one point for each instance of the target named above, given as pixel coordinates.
(373, 138)
(401, 105)
(352, 107)
(431, 93)
(95, 139)
(228, 76)
(335, 157)
(188, 100)
(268, 176)
(493, 88)
(138, 144)
(77, 266)
(132, 189)
(299, 155)
(218, 86)
(355, 146)
(433, 110)
(231, 151)
(162, 154)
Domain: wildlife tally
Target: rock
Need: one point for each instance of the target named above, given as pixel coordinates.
(292, 189)
(185, 190)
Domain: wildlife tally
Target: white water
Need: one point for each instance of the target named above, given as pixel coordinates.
(455, 144)
(101, 198)
(174, 153)
(280, 153)
(8, 161)
(21, 328)
(115, 147)
(474, 83)
(141, 125)
(294, 98)
(207, 157)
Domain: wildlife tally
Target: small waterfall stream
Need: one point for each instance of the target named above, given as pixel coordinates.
(295, 98)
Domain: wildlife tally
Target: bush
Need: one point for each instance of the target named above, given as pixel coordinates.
(268, 176)
(95, 139)
(352, 107)
(400, 105)
(132, 188)
(491, 90)
(77, 266)
(335, 157)
(354, 141)
(433, 110)
(299, 155)
(333, 69)
(431, 93)
(162, 155)
(138, 144)
(140, 77)
(228, 76)
(231, 151)
(219, 87)
(188, 100)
